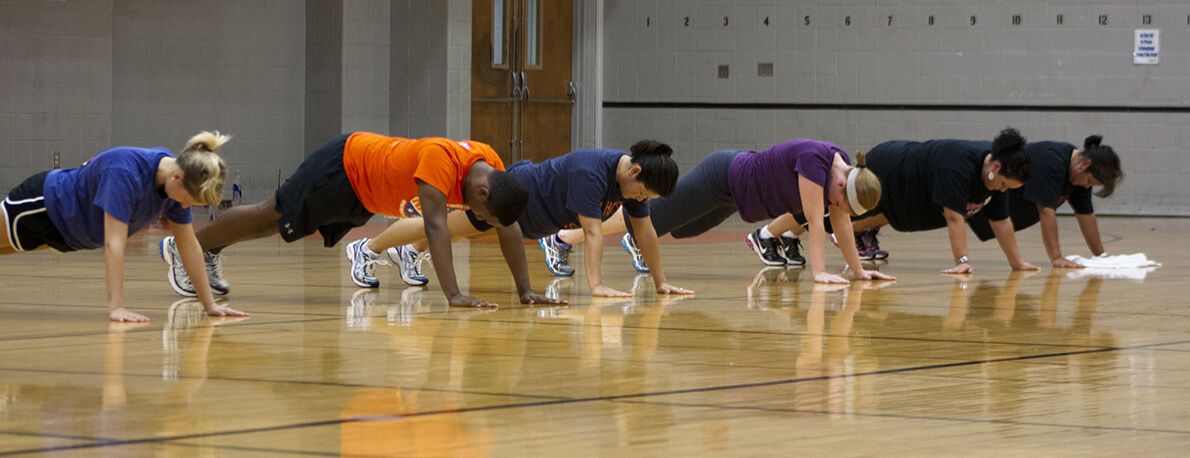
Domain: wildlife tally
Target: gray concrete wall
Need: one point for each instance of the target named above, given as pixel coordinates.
(55, 85)
(282, 76)
(431, 69)
(238, 67)
(652, 54)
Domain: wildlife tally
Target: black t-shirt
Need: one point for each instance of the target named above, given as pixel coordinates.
(1050, 185)
(922, 178)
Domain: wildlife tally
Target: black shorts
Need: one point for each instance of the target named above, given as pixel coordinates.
(26, 221)
(801, 220)
(318, 197)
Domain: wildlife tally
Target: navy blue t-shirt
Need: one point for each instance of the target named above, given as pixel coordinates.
(121, 181)
(582, 182)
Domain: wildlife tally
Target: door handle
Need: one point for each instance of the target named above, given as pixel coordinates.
(524, 86)
(516, 85)
(572, 92)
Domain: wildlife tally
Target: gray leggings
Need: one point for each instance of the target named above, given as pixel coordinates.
(701, 200)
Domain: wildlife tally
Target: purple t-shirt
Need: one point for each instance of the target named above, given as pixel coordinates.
(120, 181)
(765, 184)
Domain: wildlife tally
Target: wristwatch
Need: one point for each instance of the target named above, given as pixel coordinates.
(962, 260)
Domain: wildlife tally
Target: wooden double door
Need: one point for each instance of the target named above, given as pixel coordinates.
(522, 92)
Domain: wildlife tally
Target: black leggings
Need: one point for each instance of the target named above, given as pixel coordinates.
(701, 200)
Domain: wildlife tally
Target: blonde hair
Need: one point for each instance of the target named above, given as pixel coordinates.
(203, 171)
(867, 186)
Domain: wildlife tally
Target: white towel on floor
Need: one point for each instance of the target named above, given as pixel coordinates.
(1121, 261)
(1136, 274)
(1126, 266)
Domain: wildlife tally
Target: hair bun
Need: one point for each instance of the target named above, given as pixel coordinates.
(650, 147)
(1092, 141)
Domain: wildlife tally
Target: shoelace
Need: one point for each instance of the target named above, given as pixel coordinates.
(419, 258)
(180, 275)
(563, 255)
(214, 267)
(370, 264)
(635, 249)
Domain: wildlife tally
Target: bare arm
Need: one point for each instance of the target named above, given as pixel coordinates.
(1049, 236)
(1007, 240)
(433, 207)
(814, 209)
(956, 229)
(115, 238)
(512, 245)
(650, 248)
(593, 259)
(192, 260)
(1090, 228)
(842, 225)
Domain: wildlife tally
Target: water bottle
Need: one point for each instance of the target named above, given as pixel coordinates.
(237, 193)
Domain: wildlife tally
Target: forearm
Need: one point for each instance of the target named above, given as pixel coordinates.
(1007, 240)
(1089, 226)
(593, 257)
(513, 248)
(843, 229)
(192, 261)
(443, 259)
(1049, 232)
(956, 230)
(113, 261)
(650, 248)
(816, 244)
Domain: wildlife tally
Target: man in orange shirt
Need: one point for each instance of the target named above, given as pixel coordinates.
(342, 184)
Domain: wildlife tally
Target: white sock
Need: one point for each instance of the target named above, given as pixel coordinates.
(368, 251)
(764, 233)
(789, 234)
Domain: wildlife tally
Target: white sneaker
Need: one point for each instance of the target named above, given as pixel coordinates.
(178, 279)
(214, 263)
(408, 261)
(363, 266)
(638, 259)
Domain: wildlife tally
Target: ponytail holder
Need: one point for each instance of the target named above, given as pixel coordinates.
(852, 197)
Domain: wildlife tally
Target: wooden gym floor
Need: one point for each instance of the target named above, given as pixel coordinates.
(759, 362)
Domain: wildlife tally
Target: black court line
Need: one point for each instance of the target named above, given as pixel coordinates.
(901, 107)
(912, 417)
(286, 382)
(621, 398)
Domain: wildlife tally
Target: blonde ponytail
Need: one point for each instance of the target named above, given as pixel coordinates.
(867, 186)
(203, 170)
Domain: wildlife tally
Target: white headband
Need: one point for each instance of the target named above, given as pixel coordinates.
(852, 197)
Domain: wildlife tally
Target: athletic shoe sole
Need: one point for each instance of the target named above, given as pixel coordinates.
(173, 281)
(756, 249)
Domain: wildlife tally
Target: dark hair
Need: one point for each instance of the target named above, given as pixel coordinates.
(507, 197)
(658, 171)
(1105, 165)
(1009, 149)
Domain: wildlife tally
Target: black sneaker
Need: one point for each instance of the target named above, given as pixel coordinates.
(873, 245)
(861, 247)
(790, 249)
(766, 249)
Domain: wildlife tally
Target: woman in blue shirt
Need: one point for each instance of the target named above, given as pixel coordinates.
(114, 195)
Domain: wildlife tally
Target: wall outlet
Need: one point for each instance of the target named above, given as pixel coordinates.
(764, 69)
(723, 72)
